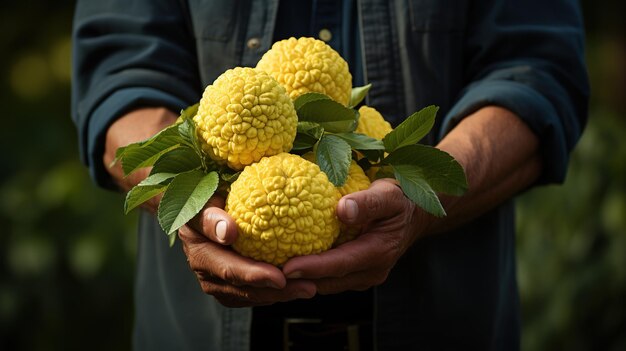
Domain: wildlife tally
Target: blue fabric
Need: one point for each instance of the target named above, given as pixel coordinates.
(109, 56)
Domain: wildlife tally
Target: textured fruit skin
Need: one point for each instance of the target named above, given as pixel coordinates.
(245, 115)
(284, 206)
(372, 123)
(356, 181)
(308, 65)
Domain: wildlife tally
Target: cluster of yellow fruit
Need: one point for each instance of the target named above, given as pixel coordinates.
(283, 204)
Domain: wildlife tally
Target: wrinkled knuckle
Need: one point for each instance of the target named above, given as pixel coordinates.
(197, 261)
(227, 274)
(374, 204)
(251, 276)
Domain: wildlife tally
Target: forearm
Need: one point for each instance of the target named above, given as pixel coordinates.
(134, 126)
(500, 155)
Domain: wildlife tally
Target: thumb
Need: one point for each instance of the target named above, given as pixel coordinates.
(215, 223)
(383, 199)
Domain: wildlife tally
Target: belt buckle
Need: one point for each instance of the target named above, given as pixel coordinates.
(299, 327)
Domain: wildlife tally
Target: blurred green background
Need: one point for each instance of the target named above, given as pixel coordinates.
(67, 251)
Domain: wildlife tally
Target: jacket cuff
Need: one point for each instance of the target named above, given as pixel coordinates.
(112, 108)
(531, 107)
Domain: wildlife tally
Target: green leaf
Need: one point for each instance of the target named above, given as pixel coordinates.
(358, 94)
(140, 194)
(333, 156)
(308, 97)
(412, 130)
(307, 136)
(331, 115)
(157, 178)
(441, 171)
(145, 153)
(416, 188)
(310, 128)
(187, 131)
(179, 160)
(185, 197)
(172, 237)
(303, 142)
(229, 177)
(189, 112)
(361, 141)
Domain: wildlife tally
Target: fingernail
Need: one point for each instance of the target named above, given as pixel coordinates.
(352, 210)
(220, 230)
(294, 275)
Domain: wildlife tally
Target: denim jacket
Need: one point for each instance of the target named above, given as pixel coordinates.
(456, 290)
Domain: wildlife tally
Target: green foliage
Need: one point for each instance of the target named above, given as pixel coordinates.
(333, 155)
(420, 170)
(142, 193)
(423, 170)
(309, 133)
(418, 190)
(143, 154)
(358, 94)
(361, 141)
(329, 114)
(441, 171)
(185, 197)
(412, 129)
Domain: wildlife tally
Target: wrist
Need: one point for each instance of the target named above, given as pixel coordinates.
(133, 127)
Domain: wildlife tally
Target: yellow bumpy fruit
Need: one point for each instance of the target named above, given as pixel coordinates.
(243, 116)
(284, 206)
(356, 181)
(308, 65)
(372, 123)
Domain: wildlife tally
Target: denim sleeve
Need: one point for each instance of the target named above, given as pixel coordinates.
(528, 56)
(127, 55)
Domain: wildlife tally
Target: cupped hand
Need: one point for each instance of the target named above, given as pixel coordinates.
(234, 280)
(391, 224)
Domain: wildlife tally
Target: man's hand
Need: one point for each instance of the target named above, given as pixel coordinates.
(234, 280)
(500, 156)
(391, 223)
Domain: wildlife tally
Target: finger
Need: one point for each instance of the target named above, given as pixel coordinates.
(383, 199)
(369, 251)
(358, 281)
(233, 296)
(213, 260)
(215, 223)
